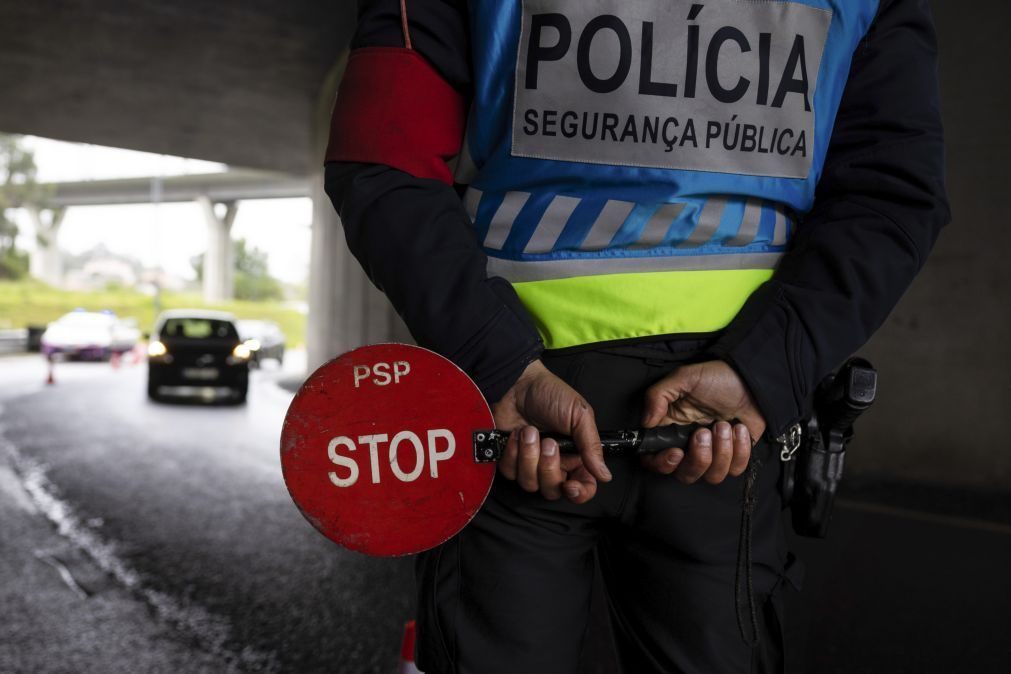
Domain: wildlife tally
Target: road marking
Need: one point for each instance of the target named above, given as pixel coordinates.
(210, 630)
(61, 568)
(943, 520)
(10, 487)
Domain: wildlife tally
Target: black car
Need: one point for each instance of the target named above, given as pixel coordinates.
(194, 351)
(264, 339)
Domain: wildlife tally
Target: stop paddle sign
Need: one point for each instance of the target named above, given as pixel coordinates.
(377, 449)
(390, 449)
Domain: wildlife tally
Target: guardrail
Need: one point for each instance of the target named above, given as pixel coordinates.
(14, 341)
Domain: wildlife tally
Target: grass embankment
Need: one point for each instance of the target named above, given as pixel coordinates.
(24, 303)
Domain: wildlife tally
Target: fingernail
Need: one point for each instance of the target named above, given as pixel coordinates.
(572, 491)
(674, 458)
(606, 473)
(705, 439)
(742, 432)
(725, 432)
(549, 448)
(529, 435)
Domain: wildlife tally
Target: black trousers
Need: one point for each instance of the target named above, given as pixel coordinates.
(511, 593)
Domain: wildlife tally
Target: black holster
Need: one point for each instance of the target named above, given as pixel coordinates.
(812, 472)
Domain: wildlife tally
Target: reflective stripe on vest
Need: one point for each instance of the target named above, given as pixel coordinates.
(525, 227)
(617, 269)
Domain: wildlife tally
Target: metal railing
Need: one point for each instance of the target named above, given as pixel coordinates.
(13, 341)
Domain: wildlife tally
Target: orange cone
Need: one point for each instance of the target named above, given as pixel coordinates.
(407, 665)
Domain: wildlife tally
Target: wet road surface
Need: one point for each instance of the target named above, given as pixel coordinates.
(184, 507)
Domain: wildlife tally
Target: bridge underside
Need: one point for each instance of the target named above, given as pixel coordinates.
(233, 82)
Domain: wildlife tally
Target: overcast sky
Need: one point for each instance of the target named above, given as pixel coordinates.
(166, 235)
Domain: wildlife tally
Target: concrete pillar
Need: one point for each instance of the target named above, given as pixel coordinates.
(219, 262)
(345, 309)
(46, 262)
(326, 265)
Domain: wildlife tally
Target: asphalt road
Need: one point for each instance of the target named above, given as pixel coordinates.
(160, 538)
(183, 507)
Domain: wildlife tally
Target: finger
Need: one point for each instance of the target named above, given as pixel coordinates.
(742, 450)
(665, 461)
(581, 486)
(587, 439)
(697, 458)
(656, 405)
(723, 453)
(529, 457)
(570, 462)
(549, 471)
(510, 455)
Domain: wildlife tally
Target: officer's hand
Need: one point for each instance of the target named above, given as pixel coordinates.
(539, 399)
(704, 393)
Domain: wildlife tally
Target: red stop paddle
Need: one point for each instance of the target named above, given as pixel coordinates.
(376, 449)
(389, 449)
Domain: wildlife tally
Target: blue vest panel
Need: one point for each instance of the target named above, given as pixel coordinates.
(641, 136)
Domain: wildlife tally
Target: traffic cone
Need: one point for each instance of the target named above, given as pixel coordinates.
(49, 377)
(407, 665)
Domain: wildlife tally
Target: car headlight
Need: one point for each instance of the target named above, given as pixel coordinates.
(253, 344)
(156, 349)
(241, 352)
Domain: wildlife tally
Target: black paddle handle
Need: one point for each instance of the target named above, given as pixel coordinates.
(489, 444)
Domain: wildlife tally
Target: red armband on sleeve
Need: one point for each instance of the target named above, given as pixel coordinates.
(394, 108)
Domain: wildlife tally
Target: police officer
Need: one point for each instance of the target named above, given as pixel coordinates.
(621, 213)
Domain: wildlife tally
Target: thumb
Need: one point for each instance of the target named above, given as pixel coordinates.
(655, 408)
(661, 395)
(659, 398)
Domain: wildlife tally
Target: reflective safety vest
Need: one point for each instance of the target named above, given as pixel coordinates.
(637, 167)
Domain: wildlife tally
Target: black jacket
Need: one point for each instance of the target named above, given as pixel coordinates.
(879, 207)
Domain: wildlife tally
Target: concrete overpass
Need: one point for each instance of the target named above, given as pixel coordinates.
(226, 186)
(251, 83)
(232, 82)
(218, 195)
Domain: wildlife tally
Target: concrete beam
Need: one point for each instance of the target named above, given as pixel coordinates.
(232, 185)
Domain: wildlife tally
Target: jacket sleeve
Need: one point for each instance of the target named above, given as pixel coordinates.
(879, 207)
(412, 235)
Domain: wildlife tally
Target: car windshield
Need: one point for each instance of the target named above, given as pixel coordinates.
(198, 328)
(251, 328)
